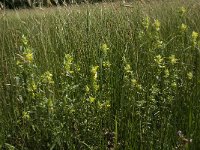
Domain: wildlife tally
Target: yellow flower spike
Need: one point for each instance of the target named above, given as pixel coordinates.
(173, 84)
(146, 22)
(190, 75)
(32, 87)
(95, 76)
(69, 58)
(24, 40)
(160, 44)
(104, 48)
(173, 59)
(91, 99)
(194, 38)
(94, 69)
(139, 87)
(158, 59)
(107, 105)
(134, 82)
(166, 73)
(87, 89)
(95, 86)
(182, 11)
(157, 25)
(106, 64)
(127, 68)
(194, 35)
(183, 27)
(47, 78)
(25, 115)
(29, 57)
(68, 62)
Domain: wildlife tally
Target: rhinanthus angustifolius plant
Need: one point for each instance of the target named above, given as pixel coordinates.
(98, 78)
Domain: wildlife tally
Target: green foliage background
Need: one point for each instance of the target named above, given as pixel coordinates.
(100, 77)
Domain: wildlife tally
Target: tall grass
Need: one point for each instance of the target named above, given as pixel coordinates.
(101, 77)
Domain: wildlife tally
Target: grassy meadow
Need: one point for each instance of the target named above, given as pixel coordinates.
(101, 77)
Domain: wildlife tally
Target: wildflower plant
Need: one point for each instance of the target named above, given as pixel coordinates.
(194, 38)
(110, 81)
(157, 25)
(182, 11)
(183, 28)
(146, 23)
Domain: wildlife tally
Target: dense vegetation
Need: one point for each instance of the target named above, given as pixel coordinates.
(101, 77)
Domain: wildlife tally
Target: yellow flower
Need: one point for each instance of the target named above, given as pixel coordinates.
(146, 22)
(47, 78)
(87, 89)
(182, 11)
(159, 44)
(69, 58)
(68, 62)
(194, 35)
(104, 48)
(173, 84)
(25, 115)
(29, 57)
(91, 99)
(32, 86)
(127, 68)
(94, 69)
(106, 64)
(158, 59)
(183, 27)
(95, 76)
(194, 38)
(173, 59)
(139, 86)
(95, 86)
(134, 82)
(24, 40)
(166, 73)
(189, 75)
(107, 104)
(94, 72)
(157, 25)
